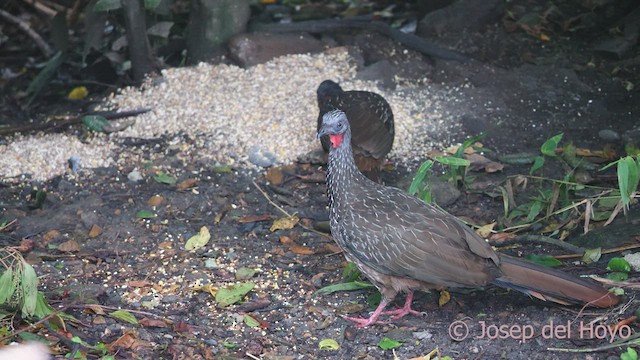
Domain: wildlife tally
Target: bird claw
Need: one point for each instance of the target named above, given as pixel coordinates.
(362, 322)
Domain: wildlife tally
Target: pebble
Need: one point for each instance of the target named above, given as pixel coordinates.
(134, 176)
(608, 135)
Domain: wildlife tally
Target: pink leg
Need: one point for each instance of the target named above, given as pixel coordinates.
(362, 322)
(406, 309)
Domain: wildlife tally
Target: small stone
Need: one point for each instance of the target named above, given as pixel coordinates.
(134, 176)
(633, 260)
(211, 264)
(608, 135)
(422, 335)
(261, 157)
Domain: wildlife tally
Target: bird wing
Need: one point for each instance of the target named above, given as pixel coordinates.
(399, 235)
(371, 121)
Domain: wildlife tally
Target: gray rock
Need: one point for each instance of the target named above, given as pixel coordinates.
(261, 157)
(609, 135)
(134, 176)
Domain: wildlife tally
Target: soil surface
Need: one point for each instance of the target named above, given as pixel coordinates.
(92, 244)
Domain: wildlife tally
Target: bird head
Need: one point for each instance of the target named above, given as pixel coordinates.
(336, 125)
(327, 90)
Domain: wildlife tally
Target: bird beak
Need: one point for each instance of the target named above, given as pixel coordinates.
(324, 130)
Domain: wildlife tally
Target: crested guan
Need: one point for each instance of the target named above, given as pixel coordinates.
(403, 244)
(371, 121)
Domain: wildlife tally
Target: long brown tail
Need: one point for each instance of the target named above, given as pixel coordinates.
(552, 285)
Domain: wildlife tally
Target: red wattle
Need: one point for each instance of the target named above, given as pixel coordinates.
(336, 140)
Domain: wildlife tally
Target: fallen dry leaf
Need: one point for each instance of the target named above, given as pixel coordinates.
(301, 250)
(95, 231)
(50, 235)
(284, 223)
(286, 240)
(332, 248)
(485, 230)
(26, 245)
(139, 283)
(182, 327)
(155, 200)
(153, 323)
(255, 218)
(274, 176)
(445, 297)
(187, 184)
(69, 246)
(128, 341)
(502, 236)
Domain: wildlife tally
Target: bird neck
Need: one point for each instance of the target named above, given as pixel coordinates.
(341, 171)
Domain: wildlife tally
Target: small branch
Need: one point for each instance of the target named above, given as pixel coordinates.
(539, 239)
(109, 115)
(44, 47)
(605, 251)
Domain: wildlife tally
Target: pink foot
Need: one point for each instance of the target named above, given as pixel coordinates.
(406, 309)
(362, 322)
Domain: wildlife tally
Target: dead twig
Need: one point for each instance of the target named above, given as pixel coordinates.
(539, 239)
(604, 251)
(44, 47)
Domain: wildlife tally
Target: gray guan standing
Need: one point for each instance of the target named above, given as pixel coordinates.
(403, 244)
(371, 121)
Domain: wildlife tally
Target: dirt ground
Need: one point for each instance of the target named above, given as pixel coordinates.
(519, 89)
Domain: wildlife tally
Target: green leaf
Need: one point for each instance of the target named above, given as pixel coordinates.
(549, 146)
(470, 141)
(618, 276)
(350, 272)
(420, 176)
(373, 300)
(544, 260)
(198, 240)
(107, 5)
(39, 197)
(124, 315)
(145, 214)
(627, 179)
(534, 211)
(245, 273)
(222, 169)
(45, 75)
(537, 164)
(591, 255)
(7, 285)
(518, 158)
(328, 344)
(95, 123)
(151, 4)
(163, 178)
(388, 344)
(354, 285)
(42, 307)
(29, 281)
(250, 321)
(27, 336)
(450, 160)
(233, 294)
(629, 355)
(619, 264)
(229, 345)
